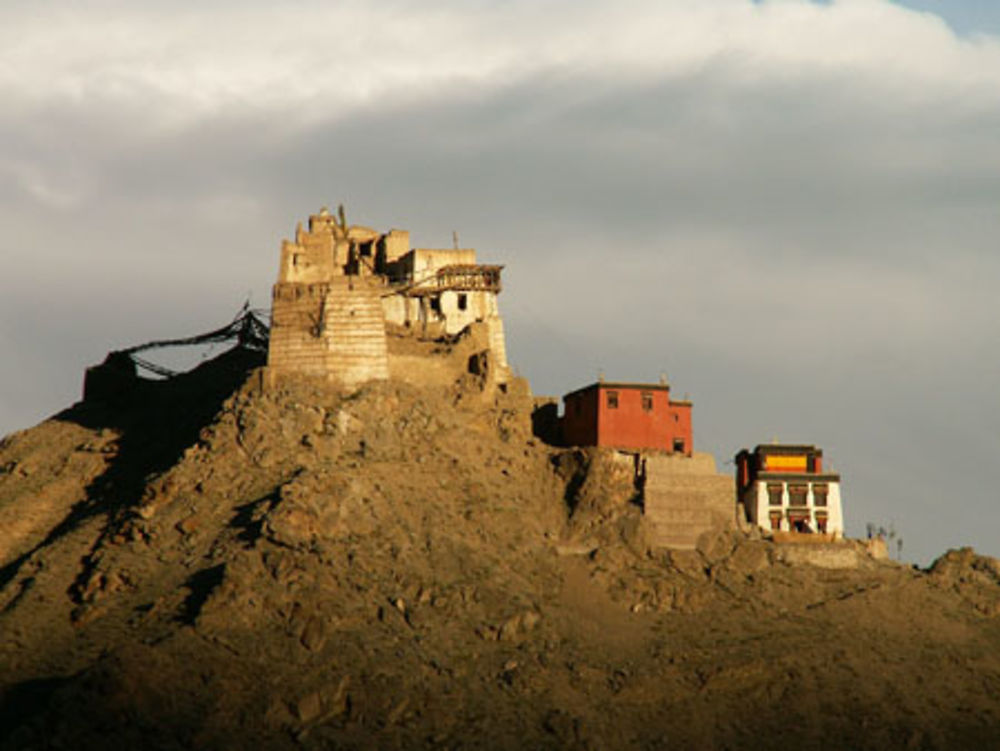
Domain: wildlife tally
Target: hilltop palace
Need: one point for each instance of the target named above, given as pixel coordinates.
(342, 291)
(352, 305)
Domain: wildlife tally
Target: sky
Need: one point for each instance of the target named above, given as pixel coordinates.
(789, 207)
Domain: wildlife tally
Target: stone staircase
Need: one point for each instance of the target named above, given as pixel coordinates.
(354, 331)
(683, 498)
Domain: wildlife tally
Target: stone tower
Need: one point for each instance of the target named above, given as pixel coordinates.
(326, 313)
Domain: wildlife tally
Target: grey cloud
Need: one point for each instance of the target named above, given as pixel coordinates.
(810, 256)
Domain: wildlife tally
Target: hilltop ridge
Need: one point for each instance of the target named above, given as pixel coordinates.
(222, 565)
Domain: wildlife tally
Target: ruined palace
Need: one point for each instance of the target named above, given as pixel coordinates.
(346, 295)
(353, 305)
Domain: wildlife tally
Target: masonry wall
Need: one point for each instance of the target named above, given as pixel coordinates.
(355, 332)
(424, 260)
(630, 426)
(335, 329)
(450, 317)
(579, 422)
(394, 245)
(296, 313)
(435, 363)
(497, 340)
(683, 498)
(680, 427)
(334, 298)
(590, 420)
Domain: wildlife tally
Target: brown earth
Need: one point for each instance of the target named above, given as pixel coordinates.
(207, 565)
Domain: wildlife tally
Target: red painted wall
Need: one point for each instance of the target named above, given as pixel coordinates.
(682, 428)
(590, 421)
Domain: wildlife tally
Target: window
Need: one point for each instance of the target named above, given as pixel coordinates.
(647, 401)
(797, 495)
(678, 445)
(774, 493)
(821, 523)
(775, 517)
(612, 400)
(819, 495)
(463, 301)
(436, 304)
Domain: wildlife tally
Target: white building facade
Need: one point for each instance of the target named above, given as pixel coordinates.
(784, 488)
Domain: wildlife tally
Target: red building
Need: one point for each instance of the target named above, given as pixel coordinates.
(627, 416)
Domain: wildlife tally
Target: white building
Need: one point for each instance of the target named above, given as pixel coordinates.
(784, 488)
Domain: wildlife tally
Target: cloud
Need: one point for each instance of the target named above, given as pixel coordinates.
(788, 206)
(194, 63)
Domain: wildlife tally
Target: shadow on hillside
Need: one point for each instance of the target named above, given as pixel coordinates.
(119, 702)
(22, 701)
(156, 422)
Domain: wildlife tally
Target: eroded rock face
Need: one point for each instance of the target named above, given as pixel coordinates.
(407, 567)
(976, 578)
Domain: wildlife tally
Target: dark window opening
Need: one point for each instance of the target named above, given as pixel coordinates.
(679, 445)
(821, 524)
(436, 304)
(647, 401)
(612, 400)
(797, 495)
(365, 249)
(774, 493)
(775, 520)
(463, 301)
(800, 525)
(819, 495)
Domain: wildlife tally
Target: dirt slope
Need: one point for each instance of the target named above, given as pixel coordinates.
(210, 566)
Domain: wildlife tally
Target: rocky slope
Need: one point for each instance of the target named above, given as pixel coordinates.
(209, 565)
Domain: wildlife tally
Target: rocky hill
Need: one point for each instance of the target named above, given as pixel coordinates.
(211, 564)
